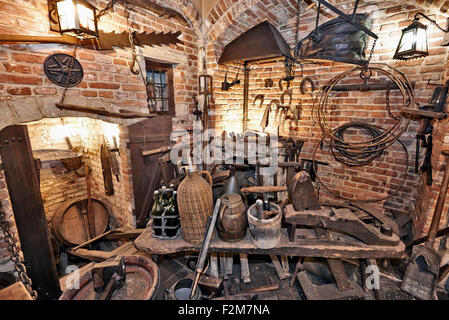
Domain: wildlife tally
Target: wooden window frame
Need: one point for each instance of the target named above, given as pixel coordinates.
(168, 68)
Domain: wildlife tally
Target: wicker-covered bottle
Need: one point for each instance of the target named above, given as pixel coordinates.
(195, 204)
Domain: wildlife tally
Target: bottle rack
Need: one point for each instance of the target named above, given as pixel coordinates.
(162, 227)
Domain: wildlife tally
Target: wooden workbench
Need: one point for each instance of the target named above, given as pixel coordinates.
(305, 245)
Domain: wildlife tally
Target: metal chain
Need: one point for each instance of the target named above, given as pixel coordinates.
(387, 102)
(371, 52)
(69, 74)
(149, 86)
(289, 64)
(366, 73)
(15, 254)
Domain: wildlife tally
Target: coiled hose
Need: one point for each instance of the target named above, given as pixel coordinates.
(362, 153)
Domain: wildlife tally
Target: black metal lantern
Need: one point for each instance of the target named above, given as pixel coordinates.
(73, 17)
(413, 42)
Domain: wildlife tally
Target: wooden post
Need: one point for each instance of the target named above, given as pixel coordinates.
(24, 191)
(245, 274)
(213, 265)
(245, 95)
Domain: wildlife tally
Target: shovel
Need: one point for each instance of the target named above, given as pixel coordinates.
(422, 271)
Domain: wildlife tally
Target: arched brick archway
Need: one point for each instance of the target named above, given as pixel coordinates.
(389, 18)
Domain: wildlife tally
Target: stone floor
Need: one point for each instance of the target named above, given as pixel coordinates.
(263, 273)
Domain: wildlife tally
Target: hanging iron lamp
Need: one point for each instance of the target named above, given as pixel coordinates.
(413, 42)
(73, 17)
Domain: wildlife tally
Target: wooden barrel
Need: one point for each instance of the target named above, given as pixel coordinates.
(265, 233)
(70, 226)
(232, 222)
(142, 282)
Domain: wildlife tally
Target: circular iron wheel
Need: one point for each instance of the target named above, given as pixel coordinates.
(56, 67)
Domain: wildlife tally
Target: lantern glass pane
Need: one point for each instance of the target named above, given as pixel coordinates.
(407, 41)
(86, 16)
(421, 40)
(66, 12)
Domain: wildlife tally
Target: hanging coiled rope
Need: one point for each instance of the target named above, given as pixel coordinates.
(355, 153)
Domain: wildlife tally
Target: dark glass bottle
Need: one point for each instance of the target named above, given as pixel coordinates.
(156, 212)
(164, 200)
(174, 220)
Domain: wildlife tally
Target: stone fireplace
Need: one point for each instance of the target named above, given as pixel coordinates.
(86, 137)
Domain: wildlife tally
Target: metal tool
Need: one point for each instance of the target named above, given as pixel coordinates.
(422, 271)
(303, 82)
(197, 112)
(113, 273)
(205, 247)
(437, 104)
(225, 85)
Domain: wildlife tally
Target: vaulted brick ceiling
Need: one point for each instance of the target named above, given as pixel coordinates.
(204, 6)
(229, 18)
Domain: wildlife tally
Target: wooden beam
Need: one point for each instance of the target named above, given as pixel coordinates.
(16, 291)
(104, 112)
(300, 247)
(161, 11)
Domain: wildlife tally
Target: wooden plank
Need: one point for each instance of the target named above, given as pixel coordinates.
(424, 113)
(125, 249)
(103, 112)
(92, 255)
(24, 191)
(300, 247)
(263, 189)
(107, 170)
(336, 266)
(92, 240)
(146, 170)
(129, 234)
(16, 291)
(375, 86)
(277, 266)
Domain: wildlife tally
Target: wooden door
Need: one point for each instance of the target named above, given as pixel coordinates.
(148, 134)
(24, 191)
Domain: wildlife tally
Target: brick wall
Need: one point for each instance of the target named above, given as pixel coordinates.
(26, 94)
(59, 185)
(366, 182)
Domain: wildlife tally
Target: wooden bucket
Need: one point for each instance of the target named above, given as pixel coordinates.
(265, 233)
(142, 282)
(69, 224)
(181, 290)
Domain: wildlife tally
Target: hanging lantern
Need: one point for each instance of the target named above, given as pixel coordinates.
(73, 17)
(413, 42)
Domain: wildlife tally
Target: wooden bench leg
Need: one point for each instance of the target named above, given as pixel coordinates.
(291, 230)
(213, 265)
(229, 263)
(245, 275)
(285, 266)
(377, 293)
(279, 270)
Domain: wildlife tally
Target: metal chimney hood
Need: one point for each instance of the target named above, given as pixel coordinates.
(260, 42)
